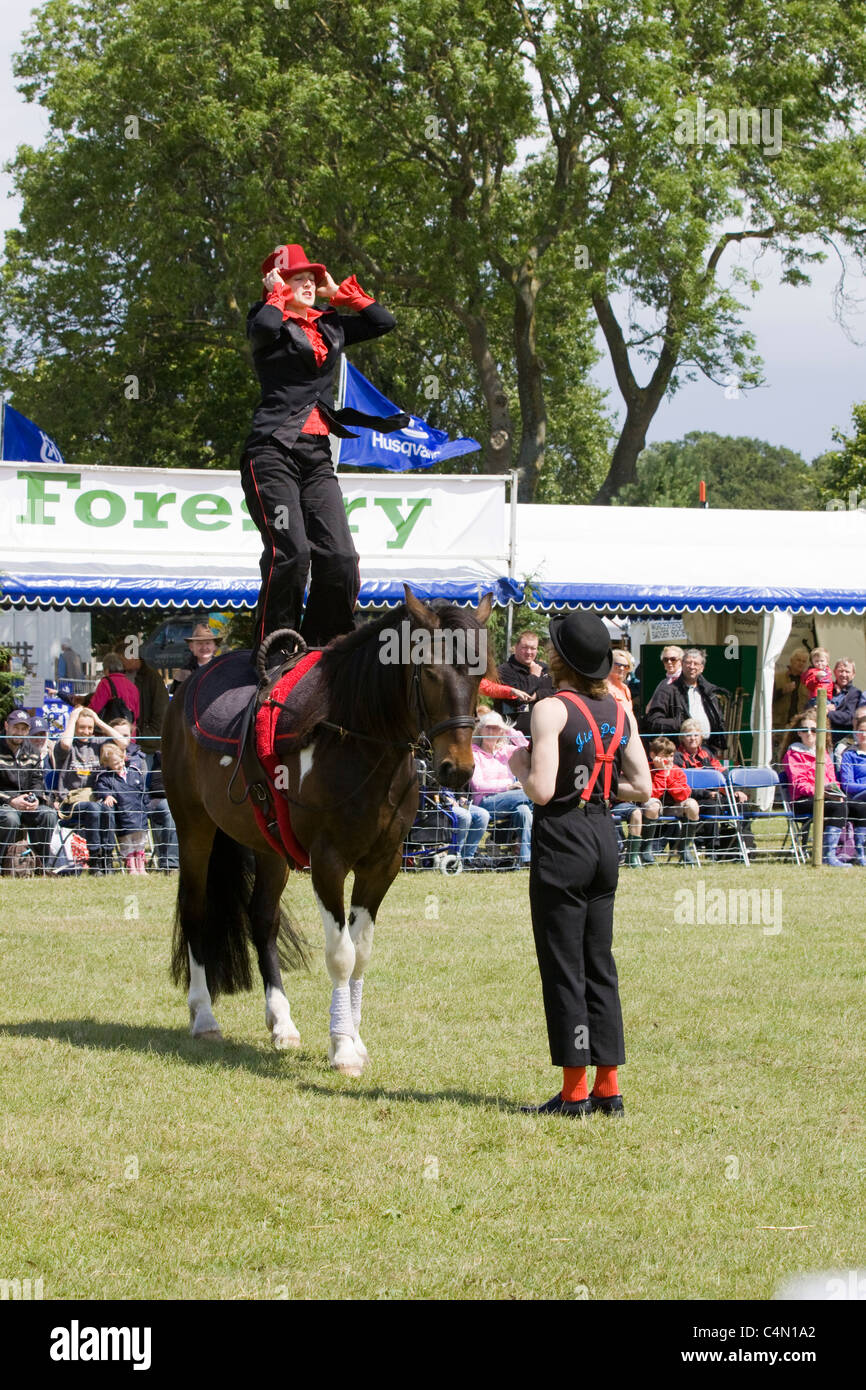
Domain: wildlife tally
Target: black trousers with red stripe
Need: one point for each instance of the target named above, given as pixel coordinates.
(572, 885)
(294, 498)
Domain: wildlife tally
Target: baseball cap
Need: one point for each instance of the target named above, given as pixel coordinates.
(38, 726)
(18, 716)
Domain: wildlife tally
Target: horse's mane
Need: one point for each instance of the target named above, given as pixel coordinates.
(356, 689)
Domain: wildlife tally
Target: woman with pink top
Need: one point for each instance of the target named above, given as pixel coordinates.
(494, 787)
(798, 770)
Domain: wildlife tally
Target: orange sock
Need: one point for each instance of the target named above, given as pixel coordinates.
(606, 1083)
(574, 1083)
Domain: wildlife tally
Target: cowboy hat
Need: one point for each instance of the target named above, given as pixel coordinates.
(583, 642)
(202, 633)
(290, 260)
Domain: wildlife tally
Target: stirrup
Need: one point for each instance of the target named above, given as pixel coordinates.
(292, 647)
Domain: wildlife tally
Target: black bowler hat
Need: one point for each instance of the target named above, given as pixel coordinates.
(583, 642)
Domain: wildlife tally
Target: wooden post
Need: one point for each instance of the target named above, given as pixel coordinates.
(818, 803)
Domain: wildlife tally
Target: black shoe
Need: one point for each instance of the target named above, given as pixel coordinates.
(573, 1109)
(608, 1105)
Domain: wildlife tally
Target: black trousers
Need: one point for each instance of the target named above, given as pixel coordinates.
(835, 808)
(295, 501)
(572, 883)
(38, 824)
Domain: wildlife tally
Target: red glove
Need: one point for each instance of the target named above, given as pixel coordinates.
(281, 297)
(351, 296)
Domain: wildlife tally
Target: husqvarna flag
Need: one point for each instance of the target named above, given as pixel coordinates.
(24, 442)
(417, 446)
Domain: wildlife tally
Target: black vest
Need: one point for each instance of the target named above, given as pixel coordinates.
(577, 750)
(292, 382)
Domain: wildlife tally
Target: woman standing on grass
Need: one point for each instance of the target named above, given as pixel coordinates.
(585, 749)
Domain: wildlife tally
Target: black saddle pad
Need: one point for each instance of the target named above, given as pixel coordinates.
(215, 698)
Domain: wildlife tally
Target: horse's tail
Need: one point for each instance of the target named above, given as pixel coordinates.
(223, 931)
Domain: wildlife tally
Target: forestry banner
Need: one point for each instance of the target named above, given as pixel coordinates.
(134, 535)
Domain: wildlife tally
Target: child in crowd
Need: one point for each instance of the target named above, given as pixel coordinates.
(671, 791)
(121, 788)
(818, 676)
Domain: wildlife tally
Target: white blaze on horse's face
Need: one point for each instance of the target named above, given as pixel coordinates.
(447, 686)
(450, 692)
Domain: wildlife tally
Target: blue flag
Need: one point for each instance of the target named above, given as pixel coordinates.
(24, 442)
(416, 446)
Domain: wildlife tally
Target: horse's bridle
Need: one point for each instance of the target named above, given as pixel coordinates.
(457, 721)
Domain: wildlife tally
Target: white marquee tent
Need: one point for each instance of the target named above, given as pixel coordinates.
(77, 537)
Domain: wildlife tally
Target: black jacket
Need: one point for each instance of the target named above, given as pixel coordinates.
(842, 717)
(513, 672)
(21, 770)
(291, 381)
(130, 813)
(153, 696)
(669, 707)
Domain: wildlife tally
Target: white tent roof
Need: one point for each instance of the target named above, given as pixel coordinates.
(662, 558)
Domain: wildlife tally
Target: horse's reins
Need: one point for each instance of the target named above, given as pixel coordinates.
(457, 721)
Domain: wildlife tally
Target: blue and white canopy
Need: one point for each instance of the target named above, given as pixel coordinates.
(161, 538)
(655, 560)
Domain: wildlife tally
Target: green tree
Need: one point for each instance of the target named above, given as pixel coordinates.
(739, 473)
(6, 696)
(663, 205)
(186, 139)
(843, 471)
(499, 171)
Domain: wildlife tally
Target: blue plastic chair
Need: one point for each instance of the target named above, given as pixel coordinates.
(710, 779)
(750, 779)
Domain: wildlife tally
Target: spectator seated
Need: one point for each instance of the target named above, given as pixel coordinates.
(121, 788)
(27, 819)
(671, 801)
(494, 788)
(799, 772)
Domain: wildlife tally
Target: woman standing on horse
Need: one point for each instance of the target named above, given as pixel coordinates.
(287, 473)
(585, 749)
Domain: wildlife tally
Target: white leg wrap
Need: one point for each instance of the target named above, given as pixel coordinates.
(341, 1011)
(356, 989)
(340, 960)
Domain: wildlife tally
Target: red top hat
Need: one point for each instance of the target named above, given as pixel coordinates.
(290, 260)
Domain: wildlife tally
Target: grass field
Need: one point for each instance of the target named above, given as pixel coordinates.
(138, 1163)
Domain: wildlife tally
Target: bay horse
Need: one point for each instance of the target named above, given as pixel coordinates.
(352, 792)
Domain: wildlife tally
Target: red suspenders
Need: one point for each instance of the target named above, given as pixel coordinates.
(603, 756)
